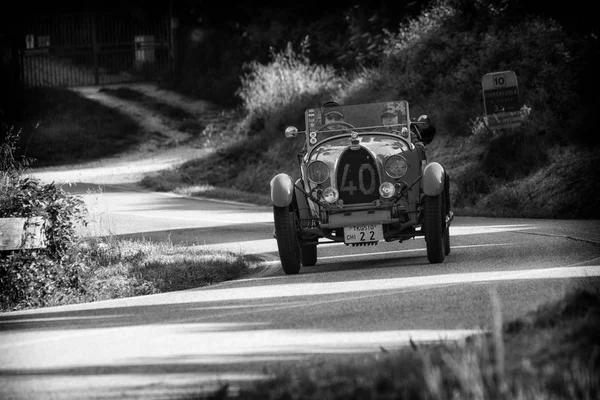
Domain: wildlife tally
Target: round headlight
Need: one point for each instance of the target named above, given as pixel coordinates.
(387, 190)
(330, 195)
(396, 167)
(318, 172)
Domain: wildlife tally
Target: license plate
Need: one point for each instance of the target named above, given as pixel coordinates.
(363, 233)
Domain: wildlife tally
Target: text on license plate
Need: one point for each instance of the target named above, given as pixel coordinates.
(363, 233)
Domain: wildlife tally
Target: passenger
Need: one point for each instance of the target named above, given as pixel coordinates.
(390, 120)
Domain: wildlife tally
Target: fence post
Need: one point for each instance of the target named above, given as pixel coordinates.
(95, 51)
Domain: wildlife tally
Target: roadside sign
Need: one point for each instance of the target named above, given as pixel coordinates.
(501, 99)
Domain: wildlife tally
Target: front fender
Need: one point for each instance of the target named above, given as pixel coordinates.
(282, 190)
(434, 177)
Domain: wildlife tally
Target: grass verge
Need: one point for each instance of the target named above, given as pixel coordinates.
(61, 127)
(111, 268)
(550, 353)
(151, 267)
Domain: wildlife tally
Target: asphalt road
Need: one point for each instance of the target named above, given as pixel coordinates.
(355, 301)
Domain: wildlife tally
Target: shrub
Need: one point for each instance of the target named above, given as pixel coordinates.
(29, 278)
(471, 186)
(514, 154)
(32, 278)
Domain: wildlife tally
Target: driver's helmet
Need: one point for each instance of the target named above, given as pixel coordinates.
(332, 116)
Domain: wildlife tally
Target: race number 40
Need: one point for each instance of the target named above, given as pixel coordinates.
(363, 171)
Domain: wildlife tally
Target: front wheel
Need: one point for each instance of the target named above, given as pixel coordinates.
(287, 239)
(435, 229)
(447, 240)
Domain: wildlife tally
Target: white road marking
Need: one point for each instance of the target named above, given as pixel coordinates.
(208, 343)
(288, 290)
(242, 218)
(354, 255)
(234, 342)
(270, 245)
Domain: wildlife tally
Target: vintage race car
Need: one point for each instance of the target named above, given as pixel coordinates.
(364, 178)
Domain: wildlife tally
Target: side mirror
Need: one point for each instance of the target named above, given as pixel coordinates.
(291, 132)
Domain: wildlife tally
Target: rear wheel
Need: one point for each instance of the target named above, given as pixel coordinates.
(435, 229)
(309, 255)
(287, 239)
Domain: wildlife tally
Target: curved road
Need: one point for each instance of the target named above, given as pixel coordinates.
(355, 301)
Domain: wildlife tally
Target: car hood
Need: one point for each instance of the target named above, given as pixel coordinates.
(380, 145)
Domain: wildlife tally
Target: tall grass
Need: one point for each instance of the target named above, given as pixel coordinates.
(117, 268)
(276, 93)
(63, 127)
(110, 268)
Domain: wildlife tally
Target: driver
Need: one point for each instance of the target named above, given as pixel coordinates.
(333, 116)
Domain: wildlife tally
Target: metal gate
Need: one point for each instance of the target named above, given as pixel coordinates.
(94, 49)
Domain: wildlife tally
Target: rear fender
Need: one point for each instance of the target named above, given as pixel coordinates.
(282, 190)
(434, 179)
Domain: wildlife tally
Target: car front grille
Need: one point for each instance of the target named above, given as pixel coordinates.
(357, 177)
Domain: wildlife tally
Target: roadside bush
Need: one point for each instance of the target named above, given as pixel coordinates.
(514, 154)
(27, 277)
(471, 186)
(26, 197)
(33, 278)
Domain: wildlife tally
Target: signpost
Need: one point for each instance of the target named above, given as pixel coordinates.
(501, 100)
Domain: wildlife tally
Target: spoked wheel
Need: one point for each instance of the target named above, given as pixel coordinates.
(287, 239)
(309, 255)
(435, 229)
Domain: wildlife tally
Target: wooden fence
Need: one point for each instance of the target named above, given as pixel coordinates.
(94, 49)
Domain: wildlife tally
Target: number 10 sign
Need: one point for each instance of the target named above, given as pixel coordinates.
(501, 99)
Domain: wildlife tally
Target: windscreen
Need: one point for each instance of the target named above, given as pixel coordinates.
(325, 122)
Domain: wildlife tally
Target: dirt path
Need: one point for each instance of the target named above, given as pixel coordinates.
(166, 146)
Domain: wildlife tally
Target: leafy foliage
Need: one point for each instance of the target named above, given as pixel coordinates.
(28, 277)
(435, 61)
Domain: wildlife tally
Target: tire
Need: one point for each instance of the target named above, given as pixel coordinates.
(435, 229)
(447, 240)
(287, 240)
(445, 213)
(309, 255)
